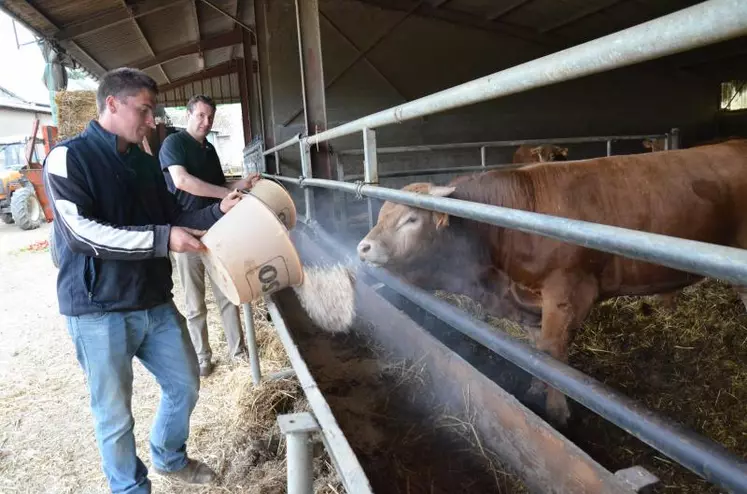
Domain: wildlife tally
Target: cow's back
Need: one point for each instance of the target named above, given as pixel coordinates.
(697, 193)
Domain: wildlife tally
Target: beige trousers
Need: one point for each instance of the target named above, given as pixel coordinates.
(192, 275)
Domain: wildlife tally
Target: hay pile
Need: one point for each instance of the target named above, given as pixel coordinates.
(689, 364)
(74, 110)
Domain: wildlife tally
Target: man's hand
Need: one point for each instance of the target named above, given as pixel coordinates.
(185, 240)
(230, 201)
(247, 182)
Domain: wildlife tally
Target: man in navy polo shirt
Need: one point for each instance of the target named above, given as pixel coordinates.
(194, 175)
(115, 223)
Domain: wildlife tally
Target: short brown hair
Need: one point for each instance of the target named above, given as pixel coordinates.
(200, 98)
(121, 83)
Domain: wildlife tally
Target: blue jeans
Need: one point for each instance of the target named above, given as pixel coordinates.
(105, 344)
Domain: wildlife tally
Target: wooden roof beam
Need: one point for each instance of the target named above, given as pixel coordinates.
(219, 70)
(228, 38)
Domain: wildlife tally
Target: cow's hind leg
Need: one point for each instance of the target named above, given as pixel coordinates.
(567, 299)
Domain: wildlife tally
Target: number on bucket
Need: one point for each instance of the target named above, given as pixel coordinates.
(268, 278)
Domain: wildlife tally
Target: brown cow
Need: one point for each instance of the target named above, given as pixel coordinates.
(540, 154)
(655, 145)
(697, 193)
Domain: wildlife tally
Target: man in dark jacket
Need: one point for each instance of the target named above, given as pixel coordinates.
(115, 223)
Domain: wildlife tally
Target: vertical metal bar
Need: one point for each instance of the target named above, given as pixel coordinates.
(667, 144)
(370, 168)
(308, 192)
(251, 344)
(483, 155)
(675, 138)
(300, 479)
(277, 163)
(303, 71)
(343, 196)
(609, 148)
(297, 428)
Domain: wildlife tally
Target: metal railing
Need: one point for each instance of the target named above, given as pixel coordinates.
(706, 23)
(671, 141)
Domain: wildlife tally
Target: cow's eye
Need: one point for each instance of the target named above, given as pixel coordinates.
(412, 219)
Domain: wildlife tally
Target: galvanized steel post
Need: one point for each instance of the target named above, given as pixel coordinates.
(297, 428)
(609, 148)
(483, 156)
(308, 193)
(251, 343)
(675, 138)
(370, 168)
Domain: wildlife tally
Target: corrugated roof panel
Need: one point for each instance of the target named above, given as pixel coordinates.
(65, 12)
(116, 47)
(212, 21)
(169, 28)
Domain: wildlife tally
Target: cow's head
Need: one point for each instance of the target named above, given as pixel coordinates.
(655, 144)
(546, 152)
(402, 233)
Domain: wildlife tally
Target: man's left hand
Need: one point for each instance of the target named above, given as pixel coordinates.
(230, 201)
(248, 182)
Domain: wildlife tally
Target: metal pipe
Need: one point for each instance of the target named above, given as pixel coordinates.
(715, 261)
(251, 344)
(371, 168)
(493, 144)
(702, 24)
(609, 148)
(439, 171)
(483, 156)
(308, 194)
(706, 458)
(304, 104)
(300, 479)
(290, 142)
(675, 138)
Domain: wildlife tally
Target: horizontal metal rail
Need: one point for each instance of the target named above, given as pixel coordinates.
(437, 171)
(495, 144)
(699, 454)
(293, 140)
(702, 24)
(716, 261)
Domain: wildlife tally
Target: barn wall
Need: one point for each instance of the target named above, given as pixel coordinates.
(422, 56)
(20, 122)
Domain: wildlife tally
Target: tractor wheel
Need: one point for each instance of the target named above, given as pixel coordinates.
(26, 209)
(52, 249)
(7, 218)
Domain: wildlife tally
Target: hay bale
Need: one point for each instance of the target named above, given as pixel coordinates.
(74, 110)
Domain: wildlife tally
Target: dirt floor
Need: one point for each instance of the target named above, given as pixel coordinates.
(46, 433)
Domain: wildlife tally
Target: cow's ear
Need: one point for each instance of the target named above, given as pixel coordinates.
(564, 151)
(441, 220)
(441, 191)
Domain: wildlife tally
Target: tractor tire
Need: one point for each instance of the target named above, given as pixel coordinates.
(52, 249)
(26, 209)
(7, 218)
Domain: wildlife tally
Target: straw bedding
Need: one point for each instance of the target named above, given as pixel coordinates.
(688, 363)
